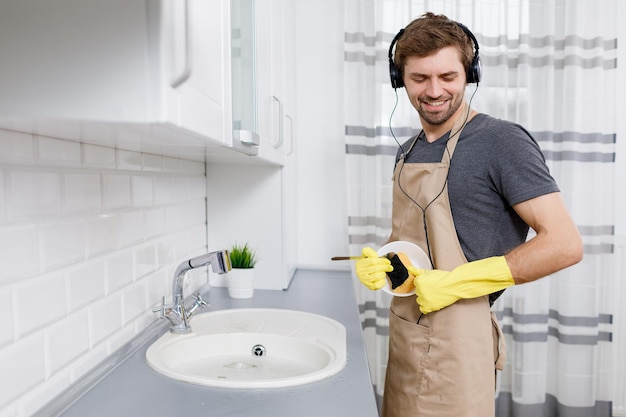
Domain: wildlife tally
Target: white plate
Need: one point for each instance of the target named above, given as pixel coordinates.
(415, 254)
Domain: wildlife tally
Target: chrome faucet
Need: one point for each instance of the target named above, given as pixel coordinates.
(176, 313)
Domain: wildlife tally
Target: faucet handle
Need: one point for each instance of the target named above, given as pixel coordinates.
(162, 308)
(199, 303)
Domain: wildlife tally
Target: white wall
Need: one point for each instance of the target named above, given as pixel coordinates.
(322, 223)
(89, 239)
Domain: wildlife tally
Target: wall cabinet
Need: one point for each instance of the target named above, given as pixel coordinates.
(258, 204)
(123, 62)
(262, 36)
(193, 75)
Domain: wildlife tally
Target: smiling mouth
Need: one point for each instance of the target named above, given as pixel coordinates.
(434, 104)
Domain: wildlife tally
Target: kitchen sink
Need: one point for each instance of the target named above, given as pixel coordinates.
(252, 348)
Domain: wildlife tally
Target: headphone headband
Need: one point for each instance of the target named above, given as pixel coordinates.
(473, 72)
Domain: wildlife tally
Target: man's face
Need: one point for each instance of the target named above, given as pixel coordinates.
(435, 84)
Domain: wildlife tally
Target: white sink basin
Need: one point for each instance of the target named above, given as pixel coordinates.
(252, 348)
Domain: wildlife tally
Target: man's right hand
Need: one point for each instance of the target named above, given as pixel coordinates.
(372, 269)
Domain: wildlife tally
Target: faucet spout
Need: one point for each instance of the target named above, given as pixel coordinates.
(178, 314)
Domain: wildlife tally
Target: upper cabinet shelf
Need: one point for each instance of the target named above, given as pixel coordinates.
(156, 71)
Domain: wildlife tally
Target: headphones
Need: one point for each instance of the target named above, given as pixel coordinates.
(473, 72)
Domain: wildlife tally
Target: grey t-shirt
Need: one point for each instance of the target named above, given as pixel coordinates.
(496, 164)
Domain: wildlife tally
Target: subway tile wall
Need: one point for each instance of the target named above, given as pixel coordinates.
(89, 240)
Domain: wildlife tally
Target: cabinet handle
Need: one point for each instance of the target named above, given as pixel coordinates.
(280, 123)
(186, 72)
(288, 117)
(246, 141)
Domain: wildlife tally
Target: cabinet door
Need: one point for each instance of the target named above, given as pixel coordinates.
(270, 78)
(263, 32)
(204, 97)
(278, 73)
(119, 61)
(76, 60)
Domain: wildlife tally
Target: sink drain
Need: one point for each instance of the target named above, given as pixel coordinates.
(258, 350)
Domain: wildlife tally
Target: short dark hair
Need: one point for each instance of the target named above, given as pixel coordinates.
(429, 33)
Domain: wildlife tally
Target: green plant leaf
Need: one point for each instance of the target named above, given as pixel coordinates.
(242, 256)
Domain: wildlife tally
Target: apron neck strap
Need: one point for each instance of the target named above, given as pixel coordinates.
(460, 122)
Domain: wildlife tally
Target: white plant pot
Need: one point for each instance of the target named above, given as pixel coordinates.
(240, 282)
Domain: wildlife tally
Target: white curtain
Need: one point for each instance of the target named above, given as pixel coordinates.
(550, 66)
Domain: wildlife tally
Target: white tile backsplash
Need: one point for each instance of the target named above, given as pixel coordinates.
(131, 228)
(105, 317)
(81, 192)
(46, 293)
(120, 270)
(170, 164)
(66, 340)
(6, 336)
(98, 156)
(159, 283)
(142, 191)
(19, 253)
(115, 191)
(145, 260)
(87, 361)
(166, 190)
(85, 284)
(62, 243)
(129, 160)
(90, 236)
(155, 222)
(99, 238)
(17, 147)
(38, 396)
(32, 194)
(165, 253)
(134, 301)
(24, 362)
(58, 152)
(151, 162)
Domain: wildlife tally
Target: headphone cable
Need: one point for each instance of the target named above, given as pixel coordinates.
(395, 90)
(403, 156)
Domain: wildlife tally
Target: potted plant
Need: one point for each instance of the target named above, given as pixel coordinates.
(241, 277)
(242, 256)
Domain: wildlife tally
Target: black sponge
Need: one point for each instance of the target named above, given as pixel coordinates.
(399, 273)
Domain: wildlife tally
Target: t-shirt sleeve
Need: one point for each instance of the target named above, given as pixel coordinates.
(520, 173)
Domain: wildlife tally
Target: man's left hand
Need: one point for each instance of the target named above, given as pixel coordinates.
(438, 289)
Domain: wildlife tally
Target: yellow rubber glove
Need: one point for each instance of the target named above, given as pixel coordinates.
(438, 289)
(372, 269)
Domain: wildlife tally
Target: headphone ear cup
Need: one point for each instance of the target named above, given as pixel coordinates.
(474, 71)
(395, 76)
(394, 73)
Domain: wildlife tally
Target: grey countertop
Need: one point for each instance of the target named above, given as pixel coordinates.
(132, 388)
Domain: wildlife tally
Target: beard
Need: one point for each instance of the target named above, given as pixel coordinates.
(440, 117)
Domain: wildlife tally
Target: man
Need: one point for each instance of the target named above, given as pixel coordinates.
(466, 190)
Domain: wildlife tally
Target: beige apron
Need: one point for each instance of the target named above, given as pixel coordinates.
(443, 363)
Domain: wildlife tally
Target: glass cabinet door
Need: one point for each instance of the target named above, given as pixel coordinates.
(243, 72)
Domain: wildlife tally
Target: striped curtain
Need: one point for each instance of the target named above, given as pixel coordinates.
(550, 65)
